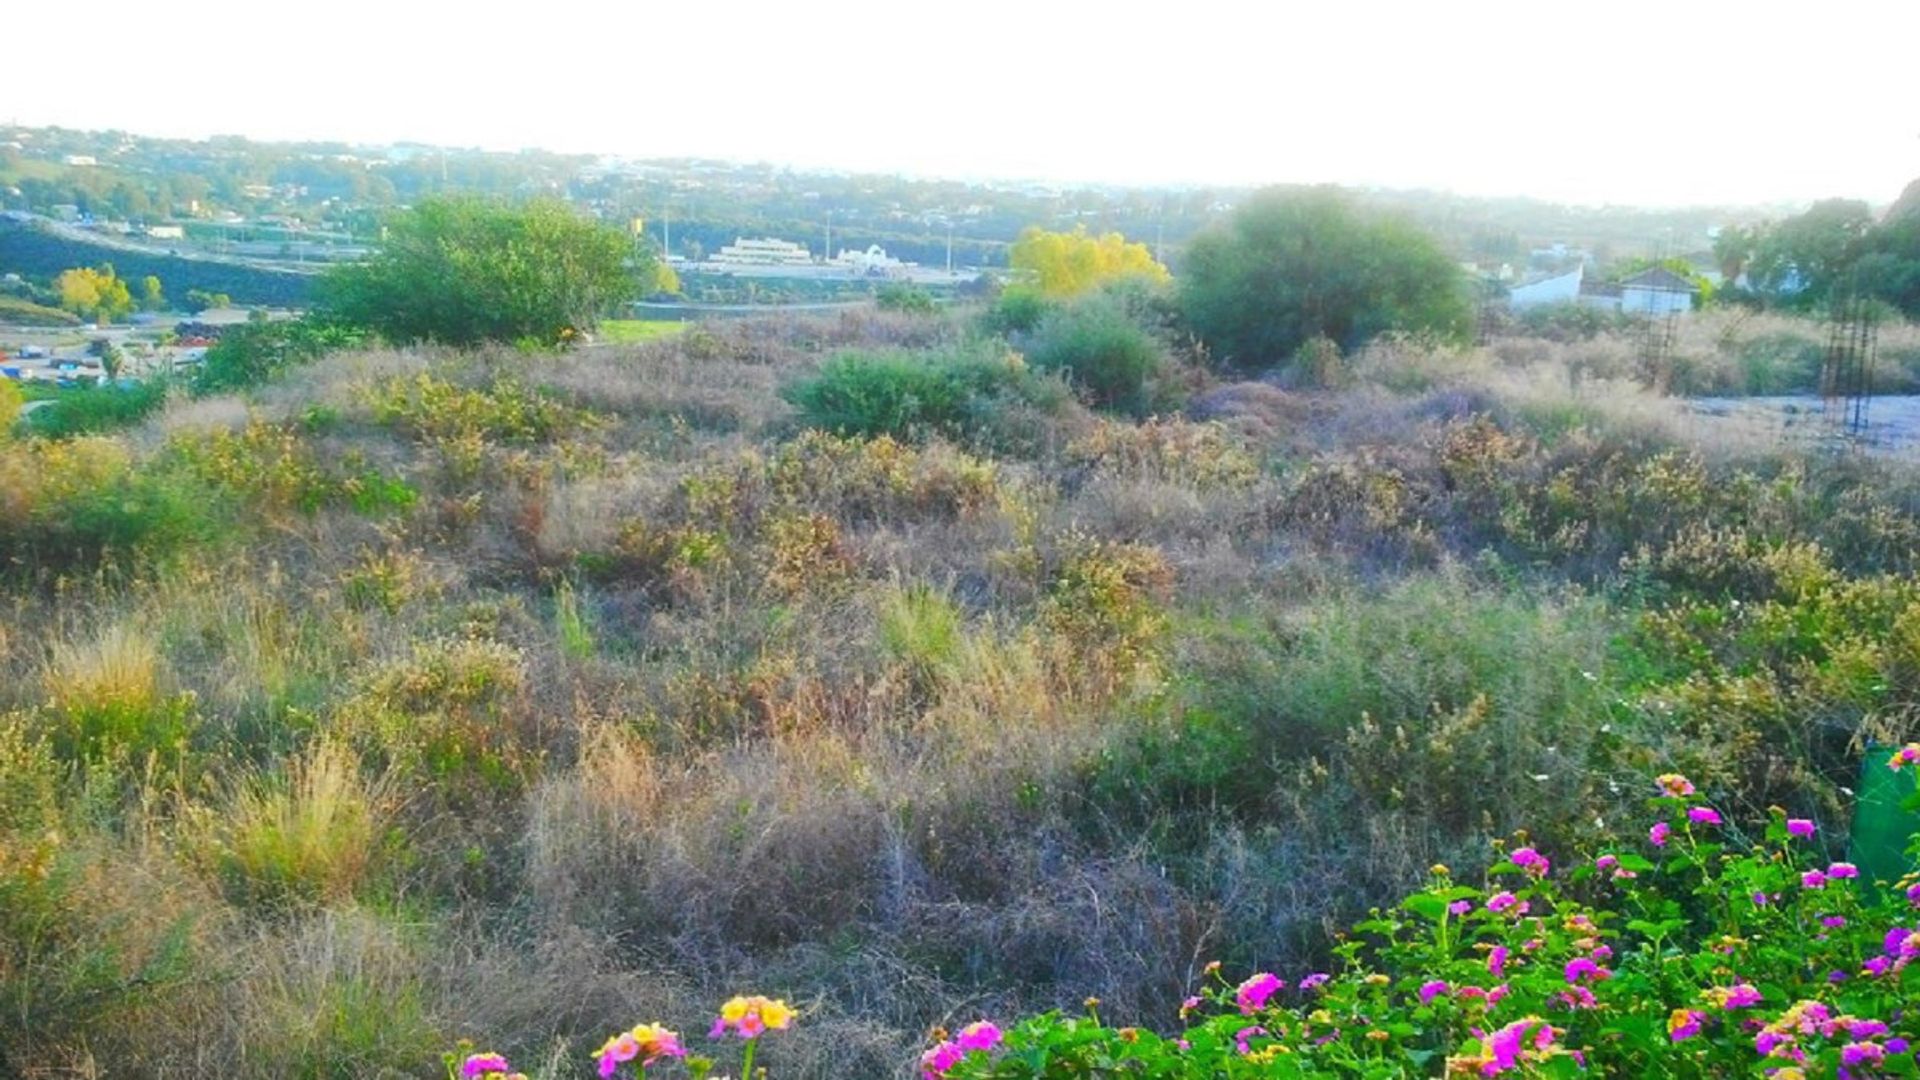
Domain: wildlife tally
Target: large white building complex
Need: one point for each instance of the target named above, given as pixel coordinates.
(765, 251)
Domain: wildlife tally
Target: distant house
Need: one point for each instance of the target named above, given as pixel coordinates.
(1651, 292)
(1557, 289)
(166, 232)
(79, 161)
(1658, 291)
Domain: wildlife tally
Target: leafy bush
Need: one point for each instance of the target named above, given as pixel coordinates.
(78, 501)
(1711, 958)
(91, 410)
(910, 299)
(429, 407)
(909, 395)
(1018, 309)
(1292, 265)
(274, 468)
(1102, 351)
(464, 270)
(259, 352)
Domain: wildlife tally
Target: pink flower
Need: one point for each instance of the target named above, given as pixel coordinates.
(1189, 1005)
(1739, 996)
(1703, 815)
(1531, 861)
(1866, 1029)
(621, 1048)
(1843, 870)
(1502, 901)
(1505, 1046)
(1674, 785)
(1659, 833)
(935, 1062)
(979, 1035)
(1432, 989)
(1904, 756)
(1244, 1035)
(478, 1064)
(1857, 1054)
(1913, 894)
(1497, 962)
(1759, 899)
(1582, 968)
(1606, 862)
(1459, 907)
(1834, 922)
(1252, 995)
(1813, 879)
(1800, 827)
(1577, 997)
(1318, 978)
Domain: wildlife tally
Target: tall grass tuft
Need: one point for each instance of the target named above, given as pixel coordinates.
(309, 835)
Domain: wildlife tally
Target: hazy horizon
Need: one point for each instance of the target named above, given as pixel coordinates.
(1630, 105)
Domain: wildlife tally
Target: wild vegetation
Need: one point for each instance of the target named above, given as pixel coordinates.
(917, 666)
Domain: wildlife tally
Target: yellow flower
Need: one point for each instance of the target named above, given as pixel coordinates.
(1377, 980)
(1439, 870)
(777, 1014)
(734, 1009)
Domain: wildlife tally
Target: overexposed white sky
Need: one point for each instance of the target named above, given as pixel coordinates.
(1661, 102)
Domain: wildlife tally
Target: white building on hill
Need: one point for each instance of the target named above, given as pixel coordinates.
(874, 262)
(765, 251)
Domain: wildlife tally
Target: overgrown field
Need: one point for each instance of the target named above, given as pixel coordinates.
(909, 667)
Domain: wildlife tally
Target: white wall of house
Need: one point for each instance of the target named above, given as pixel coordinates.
(1639, 301)
(1553, 290)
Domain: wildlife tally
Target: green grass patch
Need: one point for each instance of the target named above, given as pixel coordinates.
(635, 331)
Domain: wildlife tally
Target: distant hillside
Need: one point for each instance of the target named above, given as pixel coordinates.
(34, 252)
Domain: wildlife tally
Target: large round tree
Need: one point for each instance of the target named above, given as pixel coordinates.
(466, 270)
(1294, 264)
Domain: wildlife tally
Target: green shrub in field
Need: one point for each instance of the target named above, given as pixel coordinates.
(1018, 310)
(260, 352)
(436, 409)
(1103, 352)
(910, 395)
(77, 501)
(909, 299)
(91, 410)
(277, 469)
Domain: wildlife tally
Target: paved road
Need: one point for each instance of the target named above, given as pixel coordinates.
(114, 240)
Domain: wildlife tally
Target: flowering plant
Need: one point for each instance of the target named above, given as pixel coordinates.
(1688, 954)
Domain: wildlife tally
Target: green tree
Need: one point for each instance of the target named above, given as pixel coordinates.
(151, 298)
(463, 270)
(1799, 261)
(1733, 249)
(1295, 264)
(1068, 264)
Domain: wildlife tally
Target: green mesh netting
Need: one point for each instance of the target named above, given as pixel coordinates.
(1881, 828)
